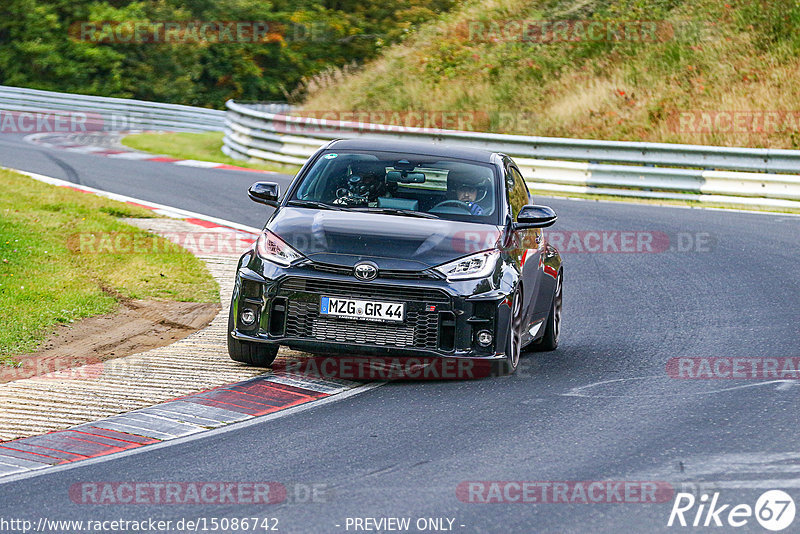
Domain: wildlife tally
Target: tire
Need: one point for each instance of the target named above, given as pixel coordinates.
(256, 354)
(514, 337)
(552, 331)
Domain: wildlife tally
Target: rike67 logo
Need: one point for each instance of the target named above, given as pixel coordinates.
(774, 510)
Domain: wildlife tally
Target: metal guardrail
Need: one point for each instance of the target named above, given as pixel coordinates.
(116, 114)
(266, 132)
(747, 176)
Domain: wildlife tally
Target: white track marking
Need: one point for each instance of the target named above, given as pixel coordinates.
(580, 391)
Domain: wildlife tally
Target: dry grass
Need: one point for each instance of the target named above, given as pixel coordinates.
(735, 58)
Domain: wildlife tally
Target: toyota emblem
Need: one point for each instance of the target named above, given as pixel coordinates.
(365, 270)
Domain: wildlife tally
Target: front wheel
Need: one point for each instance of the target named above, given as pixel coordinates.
(553, 329)
(256, 354)
(514, 337)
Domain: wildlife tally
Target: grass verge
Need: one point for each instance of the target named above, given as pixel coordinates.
(199, 146)
(44, 281)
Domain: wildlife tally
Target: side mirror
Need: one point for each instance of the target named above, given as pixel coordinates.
(265, 193)
(533, 216)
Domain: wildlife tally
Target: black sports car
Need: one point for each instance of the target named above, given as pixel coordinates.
(387, 248)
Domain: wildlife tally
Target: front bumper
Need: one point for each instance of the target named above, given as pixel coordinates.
(359, 349)
(442, 318)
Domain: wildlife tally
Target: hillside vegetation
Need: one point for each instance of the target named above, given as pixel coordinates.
(259, 50)
(710, 72)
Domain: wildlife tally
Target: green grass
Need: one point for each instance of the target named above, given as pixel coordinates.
(45, 279)
(199, 146)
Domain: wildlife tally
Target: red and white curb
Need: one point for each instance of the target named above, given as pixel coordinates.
(192, 414)
(74, 143)
(132, 433)
(256, 399)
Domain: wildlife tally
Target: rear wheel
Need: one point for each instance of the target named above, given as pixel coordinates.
(553, 328)
(257, 354)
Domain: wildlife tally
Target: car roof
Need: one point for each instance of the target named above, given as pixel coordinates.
(414, 147)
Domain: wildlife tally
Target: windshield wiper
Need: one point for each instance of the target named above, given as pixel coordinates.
(313, 204)
(389, 211)
(396, 211)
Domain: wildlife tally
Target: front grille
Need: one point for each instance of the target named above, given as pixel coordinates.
(382, 273)
(366, 290)
(419, 330)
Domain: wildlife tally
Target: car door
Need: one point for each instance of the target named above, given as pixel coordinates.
(525, 247)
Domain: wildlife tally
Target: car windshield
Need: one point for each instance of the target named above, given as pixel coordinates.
(401, 184)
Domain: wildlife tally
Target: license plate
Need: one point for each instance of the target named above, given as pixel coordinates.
(365, 310)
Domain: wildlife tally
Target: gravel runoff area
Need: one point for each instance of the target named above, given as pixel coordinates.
(65, 398)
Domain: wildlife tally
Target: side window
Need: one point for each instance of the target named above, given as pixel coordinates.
(518, 195)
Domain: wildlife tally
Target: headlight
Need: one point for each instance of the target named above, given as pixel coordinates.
(272, 248)
(478, 265)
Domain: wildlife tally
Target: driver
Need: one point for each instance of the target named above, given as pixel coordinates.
(467, 188)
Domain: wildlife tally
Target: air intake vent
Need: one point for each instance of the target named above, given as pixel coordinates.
(277, 317)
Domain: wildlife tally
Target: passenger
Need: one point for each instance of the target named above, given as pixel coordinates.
(366, 183)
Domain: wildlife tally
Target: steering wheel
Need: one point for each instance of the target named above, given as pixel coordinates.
(452, 204)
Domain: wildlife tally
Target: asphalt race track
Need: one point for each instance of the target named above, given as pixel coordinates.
(206, 191)
(601, 407)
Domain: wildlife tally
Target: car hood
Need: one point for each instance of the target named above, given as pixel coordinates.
(344, 238)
